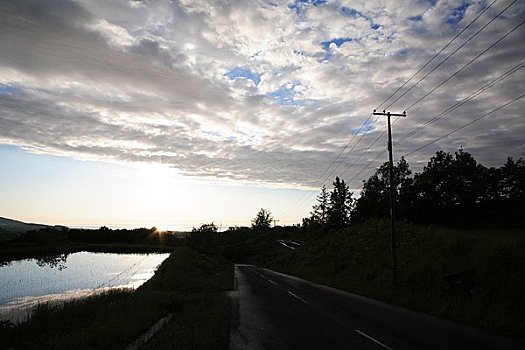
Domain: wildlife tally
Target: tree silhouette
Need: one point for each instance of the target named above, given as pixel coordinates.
(203, 238)
(206, 228)
(262, 220)
(449, 189)
(320, 211)
(375, 196)
(340, 204)
(452, 190)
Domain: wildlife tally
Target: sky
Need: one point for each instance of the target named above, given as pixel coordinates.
(178, 113)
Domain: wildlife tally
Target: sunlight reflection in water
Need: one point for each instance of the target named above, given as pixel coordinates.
(26, 283)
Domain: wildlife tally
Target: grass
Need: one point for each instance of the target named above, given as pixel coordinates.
(187, 284)
(202, 311)
(201, 324)
(470, 276)
(101, 321)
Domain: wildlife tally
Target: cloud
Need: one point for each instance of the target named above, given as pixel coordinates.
(254, 91)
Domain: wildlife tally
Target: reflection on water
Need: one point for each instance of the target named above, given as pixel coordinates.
(57, 278)
(57, 260)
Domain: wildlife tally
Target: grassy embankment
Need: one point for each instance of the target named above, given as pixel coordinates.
(188, 285)
(471, 276)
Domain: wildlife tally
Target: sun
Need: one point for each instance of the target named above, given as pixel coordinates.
(156, 177)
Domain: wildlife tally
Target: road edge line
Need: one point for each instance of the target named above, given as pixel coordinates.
(361, 333)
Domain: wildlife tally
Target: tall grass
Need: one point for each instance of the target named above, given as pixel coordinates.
(202, 311)
(104, 320)
(474, 277)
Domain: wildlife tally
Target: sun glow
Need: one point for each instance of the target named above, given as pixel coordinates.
(156, 177)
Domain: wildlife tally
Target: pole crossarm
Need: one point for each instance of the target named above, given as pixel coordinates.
(404, 114)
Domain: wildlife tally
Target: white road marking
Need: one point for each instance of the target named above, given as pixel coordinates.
(284, 244)
(272, 282)
(372, 339)
(297, 297)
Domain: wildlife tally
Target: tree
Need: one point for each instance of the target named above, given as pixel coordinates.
(320, 213)
(449, 189)
(512, 183)
(453, 189)
(375, 196)
(262, 220)
(203, 238)
(511, 193)
(340, 205)
(206, 228)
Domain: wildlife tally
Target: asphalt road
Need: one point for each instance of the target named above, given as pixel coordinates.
(277, 311)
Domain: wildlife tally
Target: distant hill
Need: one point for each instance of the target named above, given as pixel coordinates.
(10, 227)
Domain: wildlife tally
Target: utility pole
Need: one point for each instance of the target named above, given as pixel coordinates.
(392, 193)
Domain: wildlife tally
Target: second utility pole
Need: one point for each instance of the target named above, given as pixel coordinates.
(392, 193)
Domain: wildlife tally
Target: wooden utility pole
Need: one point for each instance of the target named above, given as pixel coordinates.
(392, 192)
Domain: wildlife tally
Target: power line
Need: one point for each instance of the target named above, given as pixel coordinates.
(379, 154)
(513, 70)
(442, 114)
(464, 125)
(323, 178)
(441, 84)
(450, 55)
(306, 197)
(437, 54)
(466, 65)
(465, 100)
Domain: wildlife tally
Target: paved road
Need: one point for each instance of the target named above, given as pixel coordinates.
(277, 311)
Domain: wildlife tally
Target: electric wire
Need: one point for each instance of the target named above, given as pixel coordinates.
(434, 57)
(433, 69)
(441, 84)
(322, 179)
(442, 114)
(404, 84)
(452, 53)
(465, 125)
(466, 65)
(426, 75)
(465, 100)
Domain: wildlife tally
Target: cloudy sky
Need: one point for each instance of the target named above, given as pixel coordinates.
(176, 113)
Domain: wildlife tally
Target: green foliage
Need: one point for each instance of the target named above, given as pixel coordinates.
(201, 311)
(375, 196)
(53, 236)
(204, 324)
(61, 240)
(206, 228)
(188, 271)
(340, 204)
(263, 220)
(471, 276)
(101, 321)
(203, 238)
(333, 209)
(452, 190)
(320, 213)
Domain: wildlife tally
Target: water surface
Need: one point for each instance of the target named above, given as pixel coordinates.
(25, 283)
